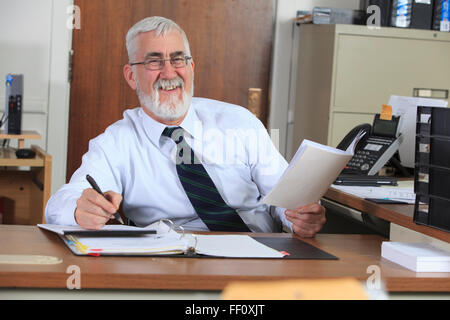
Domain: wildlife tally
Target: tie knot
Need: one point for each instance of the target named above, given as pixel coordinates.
(174, 133)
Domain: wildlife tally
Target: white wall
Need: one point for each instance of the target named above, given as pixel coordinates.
(35, 41)
(25, 49)
(284, 61)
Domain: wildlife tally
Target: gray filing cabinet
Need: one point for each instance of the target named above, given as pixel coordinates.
(346, 72)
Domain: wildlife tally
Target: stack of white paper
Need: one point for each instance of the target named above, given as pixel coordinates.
(405, 195)
(418, 257)
(311, 171)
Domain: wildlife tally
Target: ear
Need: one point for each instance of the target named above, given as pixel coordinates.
(128, 74)
(192, 65)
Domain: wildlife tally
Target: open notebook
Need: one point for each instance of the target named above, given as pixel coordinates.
(162, 240)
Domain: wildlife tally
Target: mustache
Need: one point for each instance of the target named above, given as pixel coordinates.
(163, 84)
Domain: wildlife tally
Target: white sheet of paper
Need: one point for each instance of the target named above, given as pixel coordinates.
(312, 170)
(234, 246)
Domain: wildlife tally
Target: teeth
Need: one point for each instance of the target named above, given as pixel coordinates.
(169, 84)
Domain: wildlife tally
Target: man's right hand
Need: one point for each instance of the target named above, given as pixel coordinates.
(93, 210)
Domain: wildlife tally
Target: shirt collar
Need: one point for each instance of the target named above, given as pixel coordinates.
(191, 121)
(154, 128)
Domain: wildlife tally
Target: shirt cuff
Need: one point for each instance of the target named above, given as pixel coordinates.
(68, 219)
(62, 212)
(286, 225)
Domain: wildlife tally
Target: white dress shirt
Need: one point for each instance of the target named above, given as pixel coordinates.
(133, 159)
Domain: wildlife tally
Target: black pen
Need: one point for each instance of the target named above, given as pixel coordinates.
(97, 188)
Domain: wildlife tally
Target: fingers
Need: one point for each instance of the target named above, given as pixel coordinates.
(89, 221)
(311, 208)
(93, 210)
(114, 198)
(98, 200)
(309, 214)
(307, 220)
(304, 232)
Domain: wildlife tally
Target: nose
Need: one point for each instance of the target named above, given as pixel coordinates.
(168, 71)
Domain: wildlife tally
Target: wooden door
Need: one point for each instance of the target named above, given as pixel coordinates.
(230, 40)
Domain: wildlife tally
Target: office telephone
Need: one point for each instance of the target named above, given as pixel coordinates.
(375, 148)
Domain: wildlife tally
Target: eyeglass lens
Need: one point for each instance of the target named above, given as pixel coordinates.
(157, 64)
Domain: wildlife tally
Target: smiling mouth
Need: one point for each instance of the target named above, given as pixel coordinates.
(169, 85)
(170, 88)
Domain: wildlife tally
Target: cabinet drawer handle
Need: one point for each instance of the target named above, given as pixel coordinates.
(430, 93)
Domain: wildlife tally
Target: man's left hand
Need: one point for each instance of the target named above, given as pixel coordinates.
(307, 220)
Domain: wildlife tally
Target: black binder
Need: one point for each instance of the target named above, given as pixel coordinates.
(422, 14)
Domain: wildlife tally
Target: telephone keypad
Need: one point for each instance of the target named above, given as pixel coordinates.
(365, 159)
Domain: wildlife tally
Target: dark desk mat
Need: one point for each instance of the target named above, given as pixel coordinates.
(296, 248)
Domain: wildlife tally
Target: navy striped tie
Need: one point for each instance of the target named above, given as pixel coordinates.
(200, 189)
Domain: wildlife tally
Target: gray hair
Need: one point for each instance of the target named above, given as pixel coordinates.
(160, 24)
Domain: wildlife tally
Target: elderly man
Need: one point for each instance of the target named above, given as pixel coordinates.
(202, 163)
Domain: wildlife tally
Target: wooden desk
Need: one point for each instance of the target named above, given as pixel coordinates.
(25, 192)
(355, 252)
(400, 214)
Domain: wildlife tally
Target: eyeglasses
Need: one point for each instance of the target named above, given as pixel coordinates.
(158, 64)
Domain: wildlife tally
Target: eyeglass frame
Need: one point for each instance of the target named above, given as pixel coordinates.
(163, 62)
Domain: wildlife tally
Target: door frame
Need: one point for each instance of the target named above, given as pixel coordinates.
(59, 91)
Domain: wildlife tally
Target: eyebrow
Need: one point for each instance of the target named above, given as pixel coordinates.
(177, 53)
(154, 54)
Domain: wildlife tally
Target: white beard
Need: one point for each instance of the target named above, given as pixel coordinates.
(170, 110)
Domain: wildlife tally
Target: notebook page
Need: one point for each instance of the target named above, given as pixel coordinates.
(234, 246)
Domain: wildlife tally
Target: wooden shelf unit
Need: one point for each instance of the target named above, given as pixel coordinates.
(24, 192)
(26, 134)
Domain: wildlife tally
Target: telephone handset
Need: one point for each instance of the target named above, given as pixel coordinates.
(345, 143)
(375, 149)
